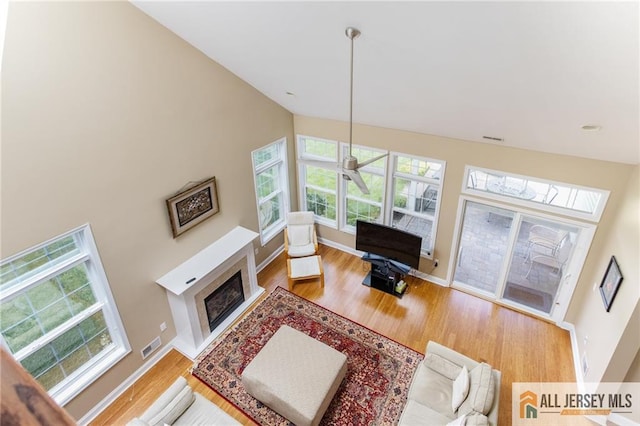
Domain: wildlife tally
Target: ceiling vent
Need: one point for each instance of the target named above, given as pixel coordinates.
(493, 138)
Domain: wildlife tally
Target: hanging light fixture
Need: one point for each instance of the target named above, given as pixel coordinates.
(350, 165)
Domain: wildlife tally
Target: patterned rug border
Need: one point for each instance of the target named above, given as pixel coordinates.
(285, 293)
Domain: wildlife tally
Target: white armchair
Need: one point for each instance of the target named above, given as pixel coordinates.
(300, 237)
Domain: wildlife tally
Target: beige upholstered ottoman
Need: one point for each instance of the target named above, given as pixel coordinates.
(295, 375)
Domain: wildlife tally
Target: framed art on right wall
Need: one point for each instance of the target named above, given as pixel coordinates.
(610, 283)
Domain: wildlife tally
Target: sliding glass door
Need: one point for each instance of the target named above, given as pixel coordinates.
(484, 244)
(517, 258)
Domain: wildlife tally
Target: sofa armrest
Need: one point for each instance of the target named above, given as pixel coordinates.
(165, 399)
(458, 358)
(205, 412)
(450, 354)
(493, 413)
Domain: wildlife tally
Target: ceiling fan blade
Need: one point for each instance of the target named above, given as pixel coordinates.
(357, 179)
(371, 160)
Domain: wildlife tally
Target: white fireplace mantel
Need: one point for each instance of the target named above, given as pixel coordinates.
(188, 279)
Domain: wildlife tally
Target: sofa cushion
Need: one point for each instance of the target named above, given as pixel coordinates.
(169, 414)
(460, 421)
(415, 413)
(481, 390)
(432, 390)
(442, 365)
(460, 388)
(476, 419)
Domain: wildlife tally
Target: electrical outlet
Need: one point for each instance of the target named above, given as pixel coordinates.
(256, 250)
(435, 263)
(163, 326)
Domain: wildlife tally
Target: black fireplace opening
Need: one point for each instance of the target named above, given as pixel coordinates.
(224, 300)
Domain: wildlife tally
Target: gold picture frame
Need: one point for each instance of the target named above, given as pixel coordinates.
(192, 206)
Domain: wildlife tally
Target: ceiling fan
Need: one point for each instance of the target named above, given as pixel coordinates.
(350, 165)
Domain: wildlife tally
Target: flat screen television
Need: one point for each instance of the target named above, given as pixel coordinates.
(390, 243)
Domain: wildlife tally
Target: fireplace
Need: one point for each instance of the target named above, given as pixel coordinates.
(201, 313)
(224, 300)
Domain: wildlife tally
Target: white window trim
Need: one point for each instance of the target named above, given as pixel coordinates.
(268, 233)
(593, 217)
(388, 191)
(393, 158)
(302, 156)
(344, 150)
(581, 248)
(90, 372)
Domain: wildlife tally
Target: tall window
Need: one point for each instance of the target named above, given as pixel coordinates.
(408, 198)
(272, 188)
(359, 206)
(416, 197)
(57, 314)
(318, 185)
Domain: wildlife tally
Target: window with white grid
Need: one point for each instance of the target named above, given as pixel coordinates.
(416, 196)
(272, 188)
(57, 314)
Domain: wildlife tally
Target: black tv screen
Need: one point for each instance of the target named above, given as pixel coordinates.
(392, 243)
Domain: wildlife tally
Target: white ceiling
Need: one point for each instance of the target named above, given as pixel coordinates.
(530, 72)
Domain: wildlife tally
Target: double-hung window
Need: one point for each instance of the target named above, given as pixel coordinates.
(57, 315)
(404, 190)
(319, 185)
(272, 188)
(416, 196)
(359, 206)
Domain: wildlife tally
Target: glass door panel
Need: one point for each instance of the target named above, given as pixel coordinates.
(483, 247)
(540, 256)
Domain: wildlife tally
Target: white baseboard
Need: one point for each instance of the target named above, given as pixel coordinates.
(339, 246)
(414, 272)
(269, 259)
(113, 395)
(577, 362)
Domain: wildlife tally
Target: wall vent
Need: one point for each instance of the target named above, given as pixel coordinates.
(148, 350)
(493, 138)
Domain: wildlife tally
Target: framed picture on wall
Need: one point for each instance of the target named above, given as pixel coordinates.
(192, 206)
(610, 283)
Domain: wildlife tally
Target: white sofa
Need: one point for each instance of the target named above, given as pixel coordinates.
(180, 405)
(440, 378)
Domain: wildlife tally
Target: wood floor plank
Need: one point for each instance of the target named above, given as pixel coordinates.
(524, 348)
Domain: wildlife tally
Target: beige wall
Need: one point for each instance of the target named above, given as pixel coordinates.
(457, 154)
(613, 338)
(617, 233)
(106, 114)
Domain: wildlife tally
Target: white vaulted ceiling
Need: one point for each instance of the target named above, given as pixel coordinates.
(532, 73)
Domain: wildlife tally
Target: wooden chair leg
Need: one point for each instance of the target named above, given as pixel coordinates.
(321, 272)
(290, 281)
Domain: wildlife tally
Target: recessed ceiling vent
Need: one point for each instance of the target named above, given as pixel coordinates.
(493, 138)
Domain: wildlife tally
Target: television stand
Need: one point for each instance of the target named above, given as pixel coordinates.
(385, 274)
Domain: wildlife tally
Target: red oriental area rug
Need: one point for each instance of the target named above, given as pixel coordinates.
(379, 370)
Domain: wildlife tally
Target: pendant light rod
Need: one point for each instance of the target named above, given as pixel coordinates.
(351, 33)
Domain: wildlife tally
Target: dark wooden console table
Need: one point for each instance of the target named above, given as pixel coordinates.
(385, 274)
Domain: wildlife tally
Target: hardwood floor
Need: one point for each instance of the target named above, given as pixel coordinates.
(525, 349)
